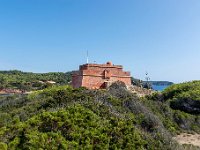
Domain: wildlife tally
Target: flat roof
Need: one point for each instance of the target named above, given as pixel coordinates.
(102, 65)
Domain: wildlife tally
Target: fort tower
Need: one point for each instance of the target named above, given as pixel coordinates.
(97, 76)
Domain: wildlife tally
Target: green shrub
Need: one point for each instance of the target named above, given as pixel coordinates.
(3, 146)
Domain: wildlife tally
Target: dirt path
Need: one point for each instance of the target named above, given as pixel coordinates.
(186, 138)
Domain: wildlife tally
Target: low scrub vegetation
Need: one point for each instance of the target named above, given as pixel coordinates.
(61, 117)
(178, 107)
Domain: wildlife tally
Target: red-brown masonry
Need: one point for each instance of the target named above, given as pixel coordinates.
(96, 76)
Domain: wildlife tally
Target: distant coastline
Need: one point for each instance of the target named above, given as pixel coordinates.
(163, 83)
(159, 85)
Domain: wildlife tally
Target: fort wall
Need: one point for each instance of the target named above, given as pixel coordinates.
(96, 76)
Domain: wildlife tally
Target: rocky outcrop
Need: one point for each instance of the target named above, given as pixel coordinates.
(140, 91)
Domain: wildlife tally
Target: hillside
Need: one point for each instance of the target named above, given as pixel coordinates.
(61, 117)
(29, 81)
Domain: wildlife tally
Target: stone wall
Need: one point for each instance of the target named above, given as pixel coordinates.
(95, 76)
(77, 80)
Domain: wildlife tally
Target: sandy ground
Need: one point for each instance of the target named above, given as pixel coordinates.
(186, 138)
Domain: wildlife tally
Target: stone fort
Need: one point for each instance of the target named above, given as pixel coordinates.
(99, 76)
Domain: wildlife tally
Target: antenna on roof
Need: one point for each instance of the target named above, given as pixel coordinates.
(87, 57)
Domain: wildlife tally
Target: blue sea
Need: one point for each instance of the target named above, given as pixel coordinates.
(159, 87)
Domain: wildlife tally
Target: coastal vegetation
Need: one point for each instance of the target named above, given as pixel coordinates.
(178, 107)
(71, 118)
(29, 81)
(60, 117)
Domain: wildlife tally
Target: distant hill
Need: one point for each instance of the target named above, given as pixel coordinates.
(161, 83)
(149, 84)
(29, 81)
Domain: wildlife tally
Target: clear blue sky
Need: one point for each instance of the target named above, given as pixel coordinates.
(158, 36)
